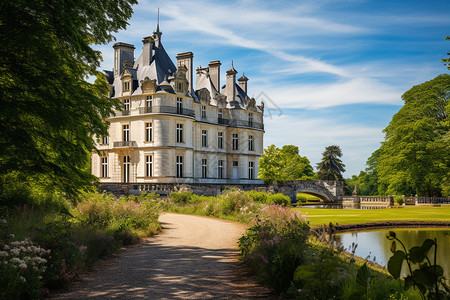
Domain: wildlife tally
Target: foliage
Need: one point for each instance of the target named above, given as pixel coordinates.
(284, 164)
(428, 277)
(279, 199)
(49, 113)
(331, 166)
(446, 61)
(75, 236)
(399, 199)
(415, 156)
(273, 245)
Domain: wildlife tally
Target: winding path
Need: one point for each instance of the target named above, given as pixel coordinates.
(192, 258)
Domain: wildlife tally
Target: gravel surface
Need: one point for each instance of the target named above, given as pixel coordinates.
(191, 258)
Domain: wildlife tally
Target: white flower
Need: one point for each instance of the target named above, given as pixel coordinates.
(22, 279)
(12, 235)
(3, 254)
(15, 251)
(23, 266)
(6, 247)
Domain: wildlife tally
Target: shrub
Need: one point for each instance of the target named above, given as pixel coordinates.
(273, 245)
(279, 199)
(180, 197)
(399, 199)
(260, 197)
(231, 201)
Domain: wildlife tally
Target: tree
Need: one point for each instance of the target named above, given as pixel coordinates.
(367, 181)
(49, 113)
(331, 166)
(284, 164)
(446, 61)
(415, 156)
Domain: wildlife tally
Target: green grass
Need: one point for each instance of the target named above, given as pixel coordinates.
(308, 197)
(319, 216)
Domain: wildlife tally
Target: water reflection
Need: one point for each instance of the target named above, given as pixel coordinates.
(375, 245)
(340, 206)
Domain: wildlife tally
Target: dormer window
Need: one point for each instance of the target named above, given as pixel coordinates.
(180, 86)
(126, 86)
(149, 101)
(203, 112)
(250, 119)
(220, 114)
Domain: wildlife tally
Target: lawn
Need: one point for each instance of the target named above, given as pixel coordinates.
(318, 216)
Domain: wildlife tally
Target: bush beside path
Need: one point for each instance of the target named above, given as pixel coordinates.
(192, 258)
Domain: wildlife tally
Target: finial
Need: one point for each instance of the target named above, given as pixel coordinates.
(232, 64)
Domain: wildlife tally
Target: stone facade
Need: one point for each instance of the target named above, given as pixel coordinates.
(170, 132)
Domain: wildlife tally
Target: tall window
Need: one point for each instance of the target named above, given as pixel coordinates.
(105, 140)
(149, 101)
(204, 168)
(149, 166)
(251, 170)
(126, 168)
(220, 114)
(104, 167)
(126, 133)
(126, 104)
(126, 86)
(179, 166)
(220, 169)
(250, 143)
(235, 141)
(203, 112)
(220, 140)
(179, 105)
(179, 133)
(250, 119)
(204, 138)
(148, 132)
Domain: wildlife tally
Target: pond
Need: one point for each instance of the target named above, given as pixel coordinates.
(375, 245)
(340, 206)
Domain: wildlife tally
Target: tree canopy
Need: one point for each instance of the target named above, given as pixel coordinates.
(49, 113)
(367, 181)
(284, 164)
(415, 156)
(331, 166)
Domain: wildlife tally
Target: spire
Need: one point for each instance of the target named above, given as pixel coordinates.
(231, 71)
(157, 26)
(157, 34)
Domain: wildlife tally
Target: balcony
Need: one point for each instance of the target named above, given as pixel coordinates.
(122, 113)
(125, 144)
(243, 123)
(167, 110)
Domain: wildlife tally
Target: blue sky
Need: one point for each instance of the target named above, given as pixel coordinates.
(331, 72)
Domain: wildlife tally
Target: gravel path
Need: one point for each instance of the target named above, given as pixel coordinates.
(191, 258)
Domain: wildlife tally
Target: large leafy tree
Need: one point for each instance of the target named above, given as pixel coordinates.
(415, 156)
(331, 166)
(49, 113)
(284, 164)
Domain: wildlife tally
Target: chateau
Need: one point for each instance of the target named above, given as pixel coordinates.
(170, 132)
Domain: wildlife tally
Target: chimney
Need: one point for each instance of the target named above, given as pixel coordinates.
(243, 83)
(230, 90)
(147, 50)
(186, 59)
(122, 52)
(214, 73)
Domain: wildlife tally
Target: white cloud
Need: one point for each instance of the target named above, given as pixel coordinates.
(313, 134)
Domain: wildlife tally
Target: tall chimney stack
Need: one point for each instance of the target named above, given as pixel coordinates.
(122, 52)
(186, 59)
(243, 83)
(147, 50)
(214, 73)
